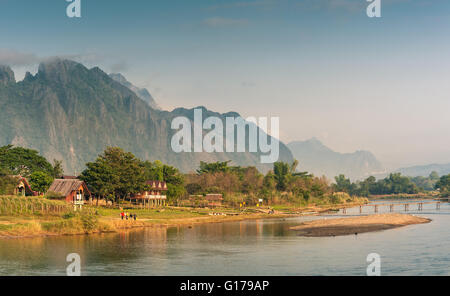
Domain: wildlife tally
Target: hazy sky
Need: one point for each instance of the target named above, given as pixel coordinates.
(322, 66)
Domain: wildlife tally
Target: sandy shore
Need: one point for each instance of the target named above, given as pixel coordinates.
(355, 225)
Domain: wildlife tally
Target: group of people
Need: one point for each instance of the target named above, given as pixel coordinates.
(127, 216)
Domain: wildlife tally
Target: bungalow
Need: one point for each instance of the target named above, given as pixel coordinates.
(209, 200)
(23, 188)
(214, 200)
(73, 190)
(155, 196)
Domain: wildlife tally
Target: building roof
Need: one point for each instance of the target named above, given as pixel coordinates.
(26, 184)
(69, 177)
(157, 185)
(67, 186)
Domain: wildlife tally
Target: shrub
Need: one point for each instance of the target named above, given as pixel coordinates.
(89, 221)
(340, 197)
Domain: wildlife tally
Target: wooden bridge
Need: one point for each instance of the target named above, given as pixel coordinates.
(406, 206)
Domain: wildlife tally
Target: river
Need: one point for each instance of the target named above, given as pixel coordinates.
(259, 247)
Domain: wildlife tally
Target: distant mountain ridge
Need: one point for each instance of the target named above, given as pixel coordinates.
(71, 113)
(425, 170)
(142, 93)
(318, 159)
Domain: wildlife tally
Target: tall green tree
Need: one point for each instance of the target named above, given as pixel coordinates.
(100, 178)
(213, 167)
(444, 185)
(281, 171)
(175, 182)
(40, 181)
(343, 184)
(58, 170)
(115, 174)
(7, 182)
(153, 170)
(22, 161)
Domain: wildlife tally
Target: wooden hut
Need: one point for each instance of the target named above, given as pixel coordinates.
(23, 188)
(73, 190)
(214, 200)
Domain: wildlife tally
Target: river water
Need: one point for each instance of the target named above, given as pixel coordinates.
(261, 247)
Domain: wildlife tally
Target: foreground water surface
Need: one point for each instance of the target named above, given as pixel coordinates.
(261, 247)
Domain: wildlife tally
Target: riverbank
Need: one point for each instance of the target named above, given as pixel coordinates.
(94, 220)
(26, 227)
(356, 225)
(32, 227)
(404, 196)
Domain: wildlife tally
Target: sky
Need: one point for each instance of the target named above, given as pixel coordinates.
(323, 67)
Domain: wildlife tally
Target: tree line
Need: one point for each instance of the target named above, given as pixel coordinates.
(281, 184)
(116, 174)
(395, 183)
(18, 161)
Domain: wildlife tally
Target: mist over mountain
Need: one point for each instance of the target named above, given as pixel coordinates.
(71, 113)
(142, 93)
(320, 160)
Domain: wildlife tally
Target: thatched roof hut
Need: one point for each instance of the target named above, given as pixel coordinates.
(71, 189)
(23, 187)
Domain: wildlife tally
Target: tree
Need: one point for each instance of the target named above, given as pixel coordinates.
(100, 179)
(281, 171)
(269, 182)
(366, 187)
(285, 174)
(175, 182)
(434, 175)
(444, 185)
(40, 181)
(394, 184)
(213, 167)
(153, 170)
(7, 183)
(58, 170)
(23, 162)
(343, 184)
(115, 174)
(426, 183)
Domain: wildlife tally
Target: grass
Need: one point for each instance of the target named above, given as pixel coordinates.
(60, 219)
(166, 213)
(23, 206)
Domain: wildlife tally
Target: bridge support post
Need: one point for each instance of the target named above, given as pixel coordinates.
(391, 208)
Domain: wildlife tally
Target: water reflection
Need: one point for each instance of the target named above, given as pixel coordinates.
(259, 247)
